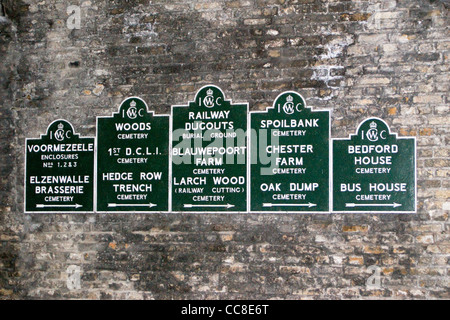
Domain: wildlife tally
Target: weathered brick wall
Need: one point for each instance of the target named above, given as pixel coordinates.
(384, 58)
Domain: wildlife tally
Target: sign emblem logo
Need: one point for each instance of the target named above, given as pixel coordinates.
(372, 134)
(59, 134)
(208, 101)
(288, 107)
(132, 110)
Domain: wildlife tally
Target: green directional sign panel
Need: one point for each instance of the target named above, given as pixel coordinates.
(209, 154)
(59, 171)
(290, 157)
(212, 155)
(374, 171)
(133, 160)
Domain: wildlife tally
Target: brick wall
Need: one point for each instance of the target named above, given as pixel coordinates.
(359, 58)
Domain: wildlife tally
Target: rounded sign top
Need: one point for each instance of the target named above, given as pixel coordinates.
(60, 130)
(210, 97)
(373, 130)
(289, 103)
(133, 108)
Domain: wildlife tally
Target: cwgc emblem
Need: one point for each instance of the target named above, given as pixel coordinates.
(132, 111)
(208, 101)
(288, 107)
(291, 104)
(372, 133)
(59, 134)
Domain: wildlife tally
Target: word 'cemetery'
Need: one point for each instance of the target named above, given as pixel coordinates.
(212, 155)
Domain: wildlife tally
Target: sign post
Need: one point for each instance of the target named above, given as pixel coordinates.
(59, 171)
(133, 160)
(290, 157)
(374, 171)
(209, 154)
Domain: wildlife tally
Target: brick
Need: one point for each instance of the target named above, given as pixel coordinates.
(375, 81)
(294, 270)
(355, 16)
(373, 39)
(392, 111)
(255, 22)
(238, 4)
(354, 260)
(208, 6)
(428, 99)
(373, 250)
(355, 228)
(387, 59)
(426, 239)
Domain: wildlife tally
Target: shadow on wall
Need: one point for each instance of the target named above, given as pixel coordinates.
(446, 3)
(12, 10)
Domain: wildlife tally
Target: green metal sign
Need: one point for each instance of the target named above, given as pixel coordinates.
(374, 171)
(209, 154)
(59, 171)
(290, 157)
(214, 156)
(133, 160)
